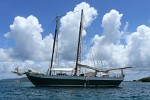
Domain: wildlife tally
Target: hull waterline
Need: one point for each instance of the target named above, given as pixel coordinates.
(79, 81)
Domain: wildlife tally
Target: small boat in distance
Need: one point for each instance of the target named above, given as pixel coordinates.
(59, 77)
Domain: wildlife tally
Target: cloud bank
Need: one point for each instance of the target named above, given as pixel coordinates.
(107, 47)
(69, 29)
(32, 50)
(26, 33)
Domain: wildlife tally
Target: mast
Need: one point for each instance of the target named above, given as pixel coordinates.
(56, 34)
(78, 47)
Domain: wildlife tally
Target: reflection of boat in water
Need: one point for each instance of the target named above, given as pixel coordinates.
(59, 77)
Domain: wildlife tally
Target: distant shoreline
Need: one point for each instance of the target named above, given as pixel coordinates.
(23, 79)
(146, 79)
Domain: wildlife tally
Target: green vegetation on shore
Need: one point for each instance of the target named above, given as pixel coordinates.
(146, 79)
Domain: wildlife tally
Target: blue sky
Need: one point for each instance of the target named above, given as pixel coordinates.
(120, 53)
(135, 12)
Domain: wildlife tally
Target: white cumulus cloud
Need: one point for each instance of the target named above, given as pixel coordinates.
(69, 29)
(111, 24)
(138, 46)
(107, 48)
(29, 46)
(26, 33)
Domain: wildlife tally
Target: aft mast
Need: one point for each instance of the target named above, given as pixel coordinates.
(56, 35)
(78, 47)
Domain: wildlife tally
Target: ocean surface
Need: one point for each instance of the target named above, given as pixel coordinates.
(26, 91)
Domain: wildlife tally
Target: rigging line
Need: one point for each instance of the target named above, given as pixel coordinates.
(35, 46)
(81, 39)
(53, 50)
(32, 53)
(78, 46)
(82, 44)
(2, 64)
(50, 26)
(78, 11)
(93, 58)
(59, 58)
(55, 39)
(96, 56)
(34, 49)
(59, 53)
(56, 42)
(56, 52)
(72, 12)
(64, 15)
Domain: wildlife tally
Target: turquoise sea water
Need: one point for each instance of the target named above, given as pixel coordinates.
(26, 91)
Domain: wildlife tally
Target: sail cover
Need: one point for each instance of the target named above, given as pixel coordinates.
(63, 69)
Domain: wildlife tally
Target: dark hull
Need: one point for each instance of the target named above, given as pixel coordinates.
(46, 80)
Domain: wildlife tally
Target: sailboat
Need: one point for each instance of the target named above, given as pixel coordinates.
(58, 76)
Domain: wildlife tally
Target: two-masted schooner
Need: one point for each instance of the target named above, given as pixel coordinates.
(60, 78)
